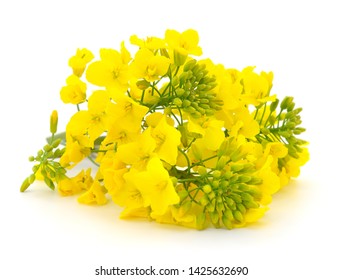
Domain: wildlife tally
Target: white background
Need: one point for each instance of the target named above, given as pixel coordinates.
(44, 236)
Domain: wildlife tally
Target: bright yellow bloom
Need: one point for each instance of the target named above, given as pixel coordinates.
(95, 195)
(240, 122)
(185, 43)
(151, 43)
(148, 66)
(92, 122)
(182, 44)
(156, 187)
(126, 111)
(138, 153)
(256, 87)
(167, 138)
(211, 131)
(75, 151)
(111, 71)
(69, 186)
(79, 61)
(75, 90)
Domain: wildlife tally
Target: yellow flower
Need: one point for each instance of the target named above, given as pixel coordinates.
(151, 43)
(69, 186)
(138, 153)
(92, 122)
(111, 71)
(75, 151)
(79, 61)
(211, 131)
(185, 43)
(95, 195)
(240, 122)
(256, 87)
(182, 44)
(74, 92)
(156, 187)
(126, 111)
(148, 66)
(167, 139)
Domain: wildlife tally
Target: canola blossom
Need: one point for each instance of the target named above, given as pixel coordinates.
(172, 137)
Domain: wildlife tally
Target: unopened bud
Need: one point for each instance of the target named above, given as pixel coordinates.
(189, 65)
(143, 84)
(53, 122)
(177, 102)
(202, 171)
(238, 216)
(180, 91)
(207, 188)
(214, 217)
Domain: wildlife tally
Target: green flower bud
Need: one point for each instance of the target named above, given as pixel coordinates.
(53, 122)
(214, 217)
(207, 188)
(56, 143)
(177, 102)
(241, 208)
(238, 216)
(216, 174)
(250, 204)
(143, 84)
(190, 65)
(220, 206)
(287, 101)
(246, 197)
(35, 168)
(227, 222)
(175, 81)
(31, 178)
(31, 158)
(274, 105)
(204, 201)
(202, 170)
(222, 162)
(186, 103)
(47, 148)
(25, 185)
(180, 91)
(244, 179)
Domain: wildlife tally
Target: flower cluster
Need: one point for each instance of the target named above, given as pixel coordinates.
(176, 139)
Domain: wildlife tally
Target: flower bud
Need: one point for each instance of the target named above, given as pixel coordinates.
(202, 171)
(177, 102)
(238, 216)
(189, 65)
(207, 188)
(227, 223)
(143, 84)
(53, 122)
(25, 185)
(214, 217)
(180, 91)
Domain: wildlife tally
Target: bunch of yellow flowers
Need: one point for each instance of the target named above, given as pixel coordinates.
(175, 139)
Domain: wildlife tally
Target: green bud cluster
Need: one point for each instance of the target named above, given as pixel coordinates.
(227, 195)
(46, 163)
(285, 127)
(194, 93)
(229, 190)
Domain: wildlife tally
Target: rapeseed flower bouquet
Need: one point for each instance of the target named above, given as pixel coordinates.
(175, 139)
